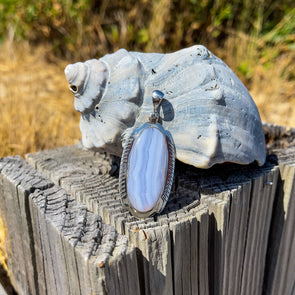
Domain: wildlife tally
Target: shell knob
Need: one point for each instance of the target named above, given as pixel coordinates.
(71, 73)
(76, 75)
(157, 96)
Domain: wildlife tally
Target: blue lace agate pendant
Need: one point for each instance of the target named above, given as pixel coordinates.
(147, 166)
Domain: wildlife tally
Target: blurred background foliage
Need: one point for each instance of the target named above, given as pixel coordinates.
(87, 28)
(247, 30)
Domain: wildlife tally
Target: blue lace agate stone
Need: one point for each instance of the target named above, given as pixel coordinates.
(147, 169)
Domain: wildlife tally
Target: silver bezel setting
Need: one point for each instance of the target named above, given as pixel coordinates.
(162, 200)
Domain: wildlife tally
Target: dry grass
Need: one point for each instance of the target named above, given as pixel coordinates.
(269, 75)
(274, 95)
(36, 107)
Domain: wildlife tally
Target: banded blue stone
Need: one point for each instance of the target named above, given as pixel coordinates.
(147, 169)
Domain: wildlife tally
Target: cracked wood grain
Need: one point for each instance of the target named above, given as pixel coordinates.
(57, 246)
(237, 202)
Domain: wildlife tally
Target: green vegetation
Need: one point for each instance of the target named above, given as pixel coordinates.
(88, 28)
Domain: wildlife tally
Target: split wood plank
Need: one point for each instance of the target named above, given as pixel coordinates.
(280, 265)
(56, 245)
(229, 196)
(2, 290)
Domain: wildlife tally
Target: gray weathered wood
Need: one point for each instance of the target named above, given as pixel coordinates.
(226, 230)
(239, 202)
(280, 270)
(57, 245)
(15, 177)
(2, 290)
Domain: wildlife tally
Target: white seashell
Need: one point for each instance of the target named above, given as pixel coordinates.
(206, 108)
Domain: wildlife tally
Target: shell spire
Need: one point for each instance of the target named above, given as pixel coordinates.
(87, 82)
(76, 75)
(71, 72)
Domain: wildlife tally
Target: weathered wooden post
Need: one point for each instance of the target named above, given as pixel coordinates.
(226, 230)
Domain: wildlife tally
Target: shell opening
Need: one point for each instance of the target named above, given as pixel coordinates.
(74, 88)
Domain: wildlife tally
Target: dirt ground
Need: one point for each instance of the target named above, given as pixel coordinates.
(37, 109)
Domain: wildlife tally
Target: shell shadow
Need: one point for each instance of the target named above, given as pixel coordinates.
(166, 110)
(191, 183)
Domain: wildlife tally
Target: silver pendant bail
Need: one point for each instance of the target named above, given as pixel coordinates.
(157, 97)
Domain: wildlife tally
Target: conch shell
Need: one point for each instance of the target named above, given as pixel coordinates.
(206, 108)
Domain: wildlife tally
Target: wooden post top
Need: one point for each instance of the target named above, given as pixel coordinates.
(225, 230)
